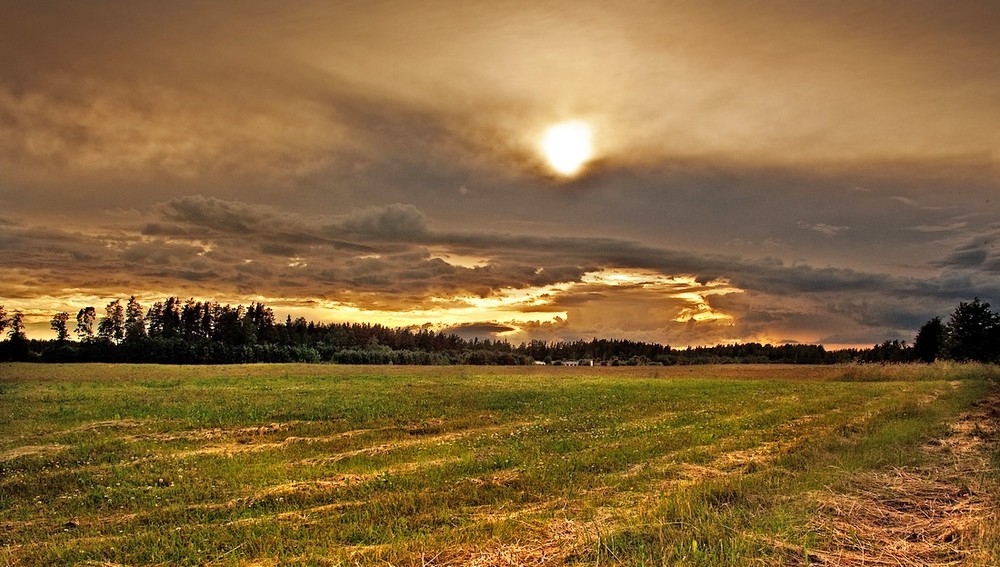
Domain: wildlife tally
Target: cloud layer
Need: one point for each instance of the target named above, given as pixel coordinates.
(820, 172)
(390, 264)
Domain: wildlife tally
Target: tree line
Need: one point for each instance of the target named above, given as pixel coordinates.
(176, 331)
(971, 334)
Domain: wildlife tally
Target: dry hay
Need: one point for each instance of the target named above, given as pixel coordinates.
(301, 516)
(309, 486)
(899, 518)
(249, 439)
(931, 516)
(332, 483)
(502, 478)
(692, 473)
(109, 424)
(245, 444)
(419, 440)
(202, 434)
(30, 451)
(762, 454)
(327, 486)
(558, 541)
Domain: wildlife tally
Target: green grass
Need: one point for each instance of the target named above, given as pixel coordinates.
(337, 465)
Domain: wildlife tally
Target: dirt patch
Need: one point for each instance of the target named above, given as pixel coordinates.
(30, 451)
(931, 515)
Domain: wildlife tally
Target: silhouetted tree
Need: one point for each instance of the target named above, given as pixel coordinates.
(191, 315)
(929, 342)
(261, 319)
(209, 312)
(193, 332)
(16, 331)
(135, 322)
(972, 332)
(227, 328)
(85, 321)
(171, 318)
(17, 345)
(889, 351)
(59, 325)
(111, 327)
(154, 320)
(3, 318)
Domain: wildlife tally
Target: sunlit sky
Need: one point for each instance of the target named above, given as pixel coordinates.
(771, 171)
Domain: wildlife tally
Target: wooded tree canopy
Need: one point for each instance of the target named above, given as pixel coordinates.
(176, 331)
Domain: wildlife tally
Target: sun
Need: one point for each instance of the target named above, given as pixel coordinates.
(567, 146)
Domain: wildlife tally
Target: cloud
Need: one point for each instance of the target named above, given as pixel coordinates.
(382, 157)
(947, 227)
(515, 260)
(312, 91)
(129, 129)
(391, 222)
(914, 203)
(827, 230)
(487, 330)
(227, 216)
(750, 245)
(975, 252)
(396, 221)
(378, 264)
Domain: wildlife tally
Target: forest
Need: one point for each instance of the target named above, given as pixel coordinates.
(176, 331)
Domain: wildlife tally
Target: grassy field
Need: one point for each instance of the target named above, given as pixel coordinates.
(334, 465)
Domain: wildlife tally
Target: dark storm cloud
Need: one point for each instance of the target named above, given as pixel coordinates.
(973, 254)
(765, 275)
(479, 330)
(518, 260)
(391, 222)
(160, 253)
(162, 229)
(407, 275)
(276, 249)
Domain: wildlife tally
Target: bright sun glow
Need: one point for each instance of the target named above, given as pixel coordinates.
(567, 146)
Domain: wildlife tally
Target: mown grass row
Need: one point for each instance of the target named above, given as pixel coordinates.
(312, 464)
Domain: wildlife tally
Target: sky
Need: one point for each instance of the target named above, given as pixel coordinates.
(777, 171)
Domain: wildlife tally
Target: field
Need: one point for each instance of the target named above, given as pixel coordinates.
(338, 465)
